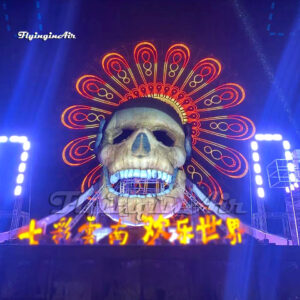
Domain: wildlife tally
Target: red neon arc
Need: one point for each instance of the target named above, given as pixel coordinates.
(177, 58)
(228, 161)
(145, 57)
(232, 127)
(224, 96)
(79, 151)
(83, 117)
(91, 178)
(94, 88)
(204, 180)
(203, 73)
(178, 53)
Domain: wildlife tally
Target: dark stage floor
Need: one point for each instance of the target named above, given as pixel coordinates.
(138, 272)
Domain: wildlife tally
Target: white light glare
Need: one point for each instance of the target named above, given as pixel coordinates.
(14, 139)
(291, 167)
(277, 137)
(287, 189)
(20, 178)
(254, 146)
(292, 187)
(3, 139)
(255, 156)
(292, 177)
(296, 185)
(26, 146)
(18, 190)
(22, 139)
(268, 137)
(24, 156)
(258, 180)
(257, 168)
(286, 145)
(288, 155)
(259, 137)
(18, 139)
(22, 167)
(261, 192)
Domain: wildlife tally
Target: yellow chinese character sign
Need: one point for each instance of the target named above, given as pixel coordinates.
(62, 230)
(89, 228)
(208, 226)
(155, 229)
(117, 234)
(31, 233)
(235, 232)
(185, 232)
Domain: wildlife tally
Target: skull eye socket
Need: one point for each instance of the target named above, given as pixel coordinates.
(163, 137)
(125, 134)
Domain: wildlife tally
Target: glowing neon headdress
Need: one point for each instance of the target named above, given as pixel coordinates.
(189, 95)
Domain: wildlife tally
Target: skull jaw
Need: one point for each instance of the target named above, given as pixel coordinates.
(130, 210)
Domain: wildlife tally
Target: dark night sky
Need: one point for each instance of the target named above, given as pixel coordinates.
(37, 80)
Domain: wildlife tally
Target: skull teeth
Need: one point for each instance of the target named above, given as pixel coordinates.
(137, 173)
(138, 183)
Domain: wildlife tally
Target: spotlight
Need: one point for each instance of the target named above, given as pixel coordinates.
(292, 177)
(296, 185)
(255, 156)
(3, 139)
(258, 180)
(286, 145)
(24, 156)
(268, 137)
(277, 137)
(254, 146)
(291, 167)
(292, 187)
(20, 178)
(18, 190)
(22, 139)
(14, 139)
(261, 192)
(288, 155)
(259, 137)
(287, 189)
(26, 146)
(22, 167)
(257, 168)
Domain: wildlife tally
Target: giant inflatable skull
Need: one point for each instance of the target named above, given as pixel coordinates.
(142, 154)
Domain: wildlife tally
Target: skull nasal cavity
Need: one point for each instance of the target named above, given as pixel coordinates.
(141, 144)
